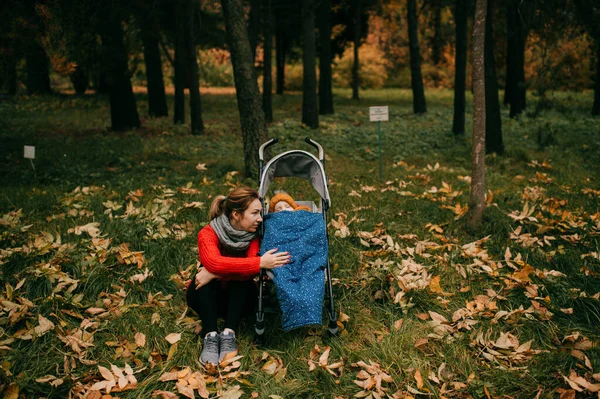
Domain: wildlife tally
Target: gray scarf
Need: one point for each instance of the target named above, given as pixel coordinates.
(229, 236)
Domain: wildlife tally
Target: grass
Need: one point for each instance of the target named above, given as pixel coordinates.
(85, 174)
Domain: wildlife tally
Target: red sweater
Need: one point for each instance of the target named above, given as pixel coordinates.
(225, 264)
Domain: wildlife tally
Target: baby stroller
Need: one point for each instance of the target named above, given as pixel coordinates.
(301, 164)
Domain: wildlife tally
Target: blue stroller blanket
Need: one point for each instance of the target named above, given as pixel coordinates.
(300, 284)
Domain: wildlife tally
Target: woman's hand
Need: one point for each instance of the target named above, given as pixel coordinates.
(271, 259)
(203, 277)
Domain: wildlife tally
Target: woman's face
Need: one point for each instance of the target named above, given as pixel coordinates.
(249, 220)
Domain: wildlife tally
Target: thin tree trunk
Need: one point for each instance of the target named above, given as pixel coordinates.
(356, 63)
(123, 110)
(252, 118)
(460, 70)
(493, 122)
(515, 94)
(419, 104)
(254, 26)
(180, 63)
(477, 199)
(325, 77)
(197, 125)
(596, 106)
(268, 69)
(437, 41)
(510, 49)
(310, 112)
(8, 70)
(38, 69)
(157, 100)
(280, 51)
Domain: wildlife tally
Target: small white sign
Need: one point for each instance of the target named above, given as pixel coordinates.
(29, 152)
(379, 114)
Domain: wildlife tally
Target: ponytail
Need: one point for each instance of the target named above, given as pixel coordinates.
(237, 201)
(217, 207)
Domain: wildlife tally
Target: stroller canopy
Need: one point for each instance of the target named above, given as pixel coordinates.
(295, 163)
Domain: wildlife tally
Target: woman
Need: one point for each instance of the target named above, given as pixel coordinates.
(228, 248)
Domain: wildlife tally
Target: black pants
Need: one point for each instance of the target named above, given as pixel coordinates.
(227, 299)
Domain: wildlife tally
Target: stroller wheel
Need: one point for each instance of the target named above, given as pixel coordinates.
(332, 328)
(259, 331)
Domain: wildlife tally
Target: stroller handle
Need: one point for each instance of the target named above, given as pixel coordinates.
(317, 146)
(267, 144)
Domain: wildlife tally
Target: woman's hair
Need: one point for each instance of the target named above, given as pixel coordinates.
(238, 200)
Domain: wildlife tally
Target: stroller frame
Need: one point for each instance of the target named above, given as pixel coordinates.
(302, 164)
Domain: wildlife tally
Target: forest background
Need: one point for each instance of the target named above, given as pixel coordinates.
(97, 232)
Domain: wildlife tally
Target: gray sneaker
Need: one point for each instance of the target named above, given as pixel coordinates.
(228, 344)
(210, 349)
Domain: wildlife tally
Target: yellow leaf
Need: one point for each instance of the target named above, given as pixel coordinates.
(173, 338)
(487, 393)
(172, 351)
(165, 394)
(398, 324)
(106, 373)
(419, 379)
(324, 356)
(270, 367)
(140, 339)
(185, 391)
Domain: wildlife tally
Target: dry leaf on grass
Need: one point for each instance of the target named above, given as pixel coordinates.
(173, 338)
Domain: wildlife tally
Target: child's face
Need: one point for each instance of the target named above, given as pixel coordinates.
(283, 206)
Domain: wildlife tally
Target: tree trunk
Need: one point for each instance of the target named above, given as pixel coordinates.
(515, 65)
(510, 48)
(419, 104)
(157, 100)
(38, 65)
(254, 129)
(325, 77)
(356, 63)
(254, 26)
(197, 125)
(8, 67)
(101, 85)
(180, 63)
(460, 70)
(310, 112)
(268, 69)
(477, 199)
(79, 79)
(493, 122)
(596, 106)
(437, 43)
(280, 51)
(38, 69)
(123, 110)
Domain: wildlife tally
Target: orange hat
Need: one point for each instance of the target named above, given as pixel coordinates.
(281, 197)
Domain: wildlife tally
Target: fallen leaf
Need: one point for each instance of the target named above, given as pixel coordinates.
(173, 338)
(418, 379)
(165, 394)
(140, 339)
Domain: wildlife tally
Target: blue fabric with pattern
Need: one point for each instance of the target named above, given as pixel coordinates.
(300, 284)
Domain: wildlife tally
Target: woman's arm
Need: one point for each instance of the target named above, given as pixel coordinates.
(225, 266)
